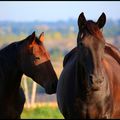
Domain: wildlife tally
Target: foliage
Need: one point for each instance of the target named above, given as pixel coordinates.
(58, 29)
(55, 53)
(54, 31)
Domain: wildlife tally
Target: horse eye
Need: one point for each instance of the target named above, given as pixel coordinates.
(81, 35)
(81, 43)
(38, 58)
(91, 78)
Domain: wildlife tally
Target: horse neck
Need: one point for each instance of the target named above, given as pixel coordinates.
(9, 64)
(81, 78)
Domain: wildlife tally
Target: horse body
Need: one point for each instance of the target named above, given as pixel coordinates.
(89, 84)
(24, 57)
(74, 101)
(9, 88)
(114, 81)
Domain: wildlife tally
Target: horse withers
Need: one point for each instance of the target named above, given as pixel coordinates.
(28, 57)
(89, 84)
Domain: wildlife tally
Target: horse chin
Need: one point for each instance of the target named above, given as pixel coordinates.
(50, 91)
(48, 83)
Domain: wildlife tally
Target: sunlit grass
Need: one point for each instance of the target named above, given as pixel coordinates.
(43, 112)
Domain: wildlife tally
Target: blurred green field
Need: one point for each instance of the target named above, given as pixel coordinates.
(43, 112)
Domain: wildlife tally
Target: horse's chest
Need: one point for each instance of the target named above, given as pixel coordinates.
(92, 109)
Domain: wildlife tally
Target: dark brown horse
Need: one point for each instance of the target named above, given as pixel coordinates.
(89, 85)
(28, 57)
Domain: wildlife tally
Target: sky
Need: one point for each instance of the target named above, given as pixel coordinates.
(57, 10)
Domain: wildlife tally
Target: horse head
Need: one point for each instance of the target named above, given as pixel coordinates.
(91, 44)
(35, 62)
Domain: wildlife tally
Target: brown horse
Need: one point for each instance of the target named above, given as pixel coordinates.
(89, 85)
(28, 57)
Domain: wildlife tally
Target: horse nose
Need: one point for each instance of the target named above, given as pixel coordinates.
(52, 89)
(54, 86)
(91, 79)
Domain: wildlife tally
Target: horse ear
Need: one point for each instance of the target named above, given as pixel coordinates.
(41, 37)
(101, 21)
(32, 37)
(81, 21)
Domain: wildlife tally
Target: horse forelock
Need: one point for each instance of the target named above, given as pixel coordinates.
(94, 30)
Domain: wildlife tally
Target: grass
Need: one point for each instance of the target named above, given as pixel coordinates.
(43, 112)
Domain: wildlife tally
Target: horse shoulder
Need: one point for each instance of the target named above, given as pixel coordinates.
(111, 65)
(112, 69)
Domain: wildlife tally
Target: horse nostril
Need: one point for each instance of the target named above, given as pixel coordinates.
(91, 77)
(81, 43)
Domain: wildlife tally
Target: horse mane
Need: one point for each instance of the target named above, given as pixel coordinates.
(11, 45)
(9, 51)
(112, 51)
(69, 55)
